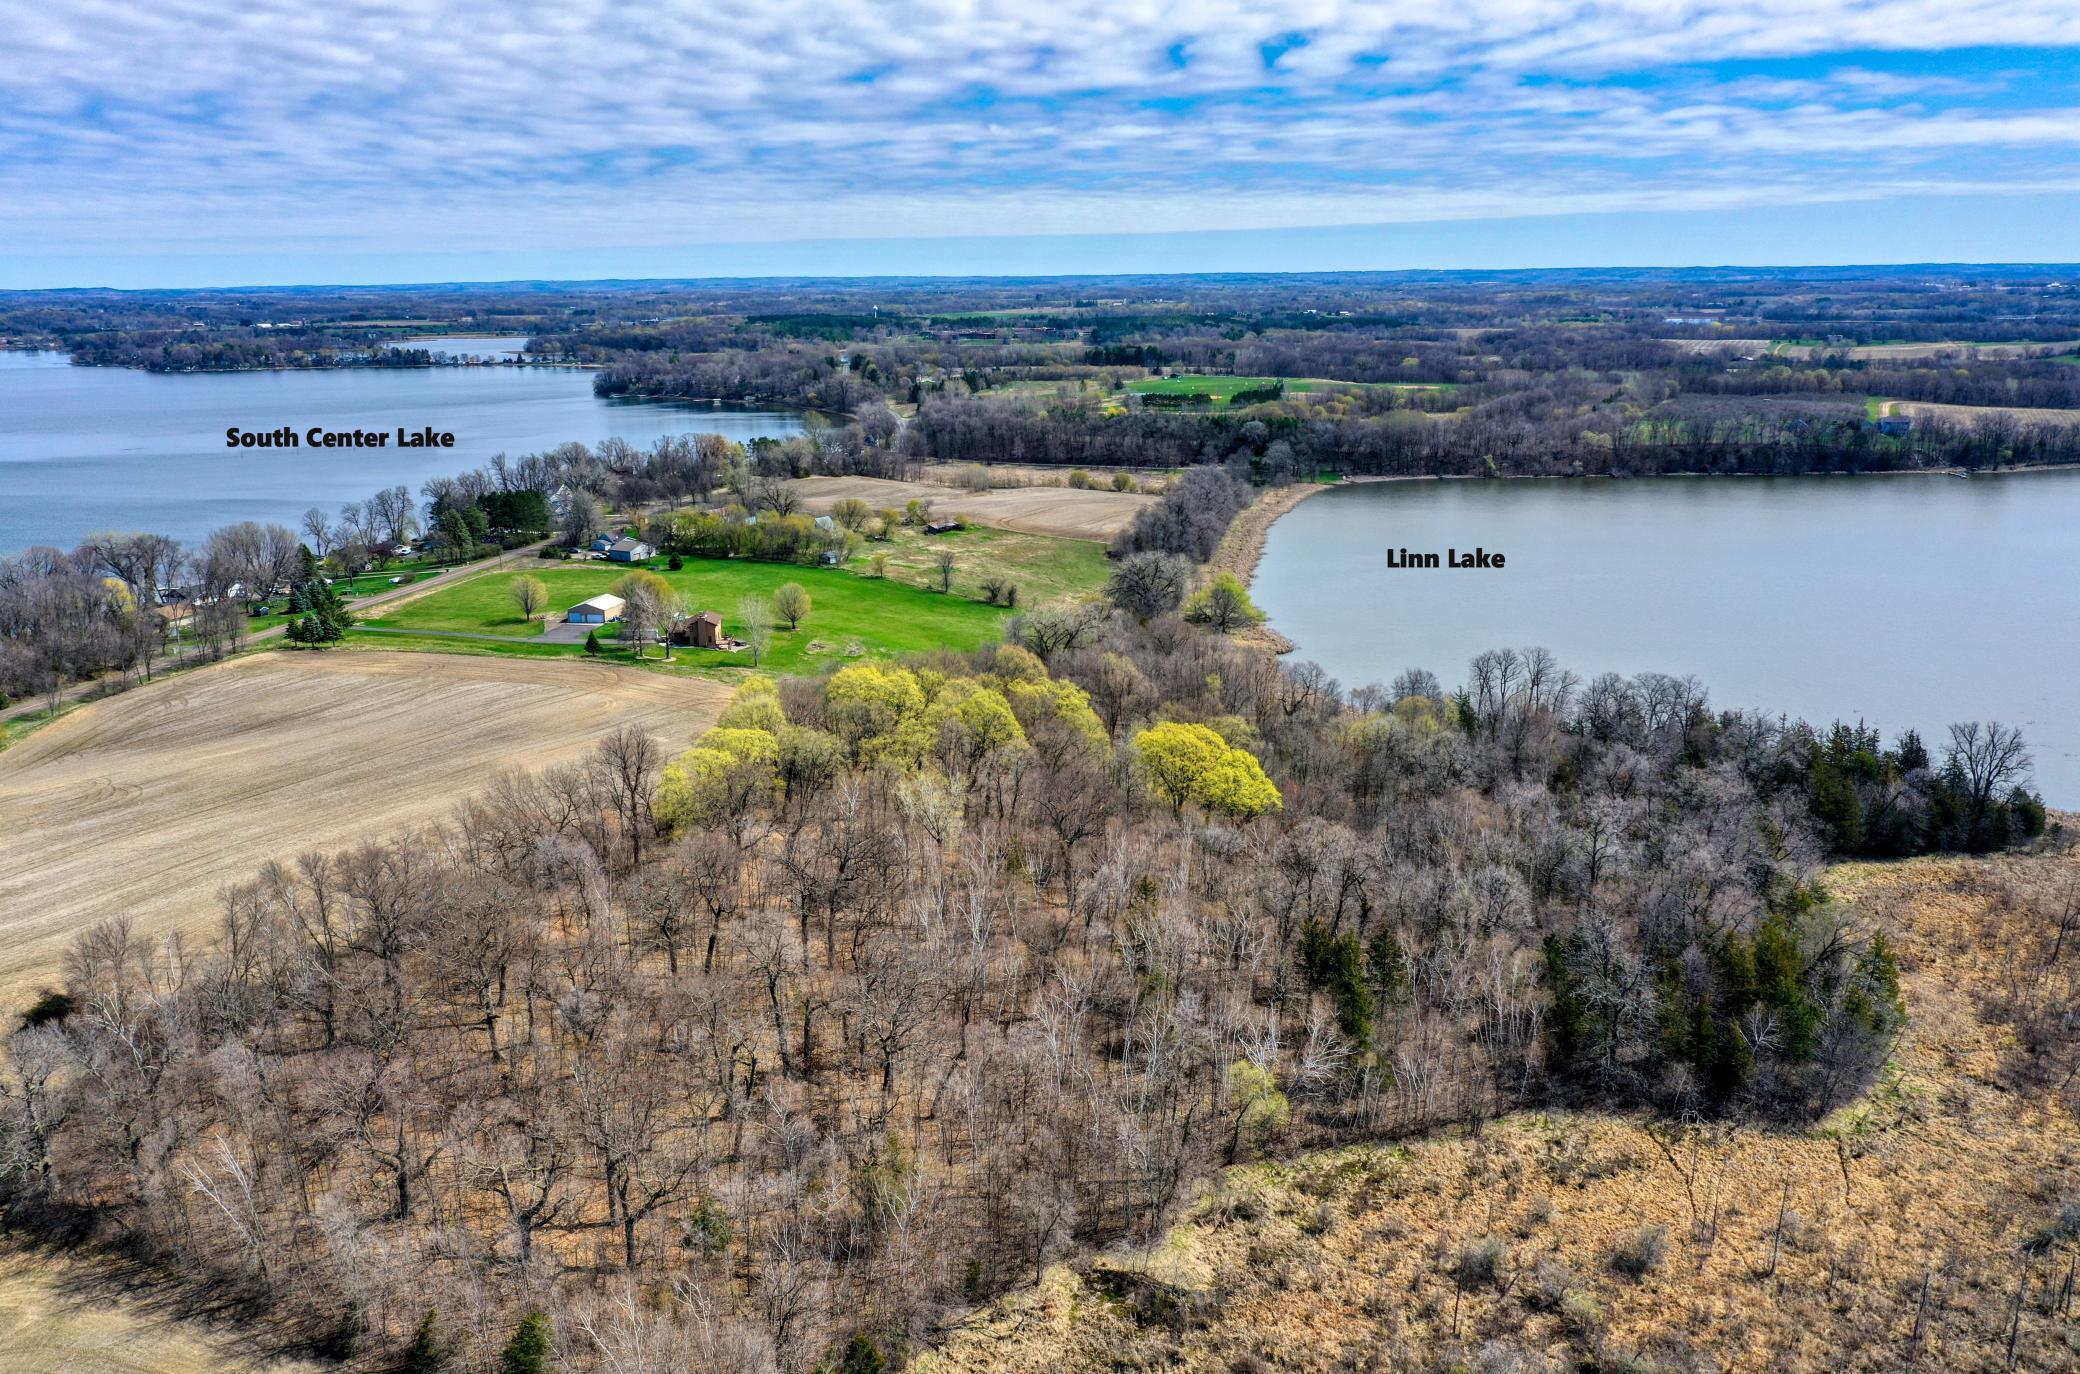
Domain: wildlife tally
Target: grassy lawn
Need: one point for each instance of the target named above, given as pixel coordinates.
(1223, 389)
(850, 616)
(369, 583)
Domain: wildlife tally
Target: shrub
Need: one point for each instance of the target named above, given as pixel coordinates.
(1552, 1282)
(1479, 1262)
(592, 644)
(1580, 1312)
(1641, 1252)
(862, 1356)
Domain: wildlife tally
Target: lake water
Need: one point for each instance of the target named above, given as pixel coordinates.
(95, 448)
(1903, 601)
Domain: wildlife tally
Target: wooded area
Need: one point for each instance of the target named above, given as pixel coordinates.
(906, 980)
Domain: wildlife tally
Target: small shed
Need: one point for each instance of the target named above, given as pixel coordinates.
(942, 527)
(596, 610)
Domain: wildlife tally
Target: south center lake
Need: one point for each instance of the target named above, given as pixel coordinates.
(84, 449)
(1902, 601)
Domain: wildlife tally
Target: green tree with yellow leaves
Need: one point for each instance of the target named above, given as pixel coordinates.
(1192, 763)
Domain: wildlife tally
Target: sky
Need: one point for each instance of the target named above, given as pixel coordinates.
(248, 142)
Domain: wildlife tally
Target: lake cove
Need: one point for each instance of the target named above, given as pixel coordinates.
(95, 448)
(1903, 601)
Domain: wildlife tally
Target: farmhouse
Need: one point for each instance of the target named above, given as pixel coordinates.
(597, 610)
(630, 551)
(702, 630)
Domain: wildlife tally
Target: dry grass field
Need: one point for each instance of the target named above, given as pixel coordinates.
(64, 1316)
(1902, 352)
(1892, 352)
(148, 804)
(1059, 511)
(1895, 1235)
(2036, 415)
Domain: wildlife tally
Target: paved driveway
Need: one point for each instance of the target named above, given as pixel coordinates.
(565, 632)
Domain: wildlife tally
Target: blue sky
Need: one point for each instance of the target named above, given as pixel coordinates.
(267, 141)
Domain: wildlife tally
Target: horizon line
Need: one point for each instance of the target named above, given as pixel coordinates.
(2007, 267)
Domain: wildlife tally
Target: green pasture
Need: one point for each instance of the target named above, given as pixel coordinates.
(850, 615)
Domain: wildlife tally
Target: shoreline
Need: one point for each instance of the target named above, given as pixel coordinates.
(1242, 548)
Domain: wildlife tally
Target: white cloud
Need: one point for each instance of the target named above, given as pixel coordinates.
(381, 124)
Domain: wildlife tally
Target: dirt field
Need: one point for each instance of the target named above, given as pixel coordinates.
(150, 803)
(1058, 511)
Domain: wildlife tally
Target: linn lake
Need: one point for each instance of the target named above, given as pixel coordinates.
(97, 448)
(1902, 601)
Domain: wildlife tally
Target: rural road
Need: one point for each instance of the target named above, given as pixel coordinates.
(83, 690)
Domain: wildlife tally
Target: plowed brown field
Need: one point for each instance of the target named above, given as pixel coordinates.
(148, 804)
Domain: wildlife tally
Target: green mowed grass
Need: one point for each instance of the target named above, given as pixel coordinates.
(1223, 389)
(881, 617)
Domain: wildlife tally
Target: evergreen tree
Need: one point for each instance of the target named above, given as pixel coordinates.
(1335, 965)
(1732, 1064)
(592, 643)
(429, 1351)
(1386, 964)
(1568, 1027)
(528, 1351)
